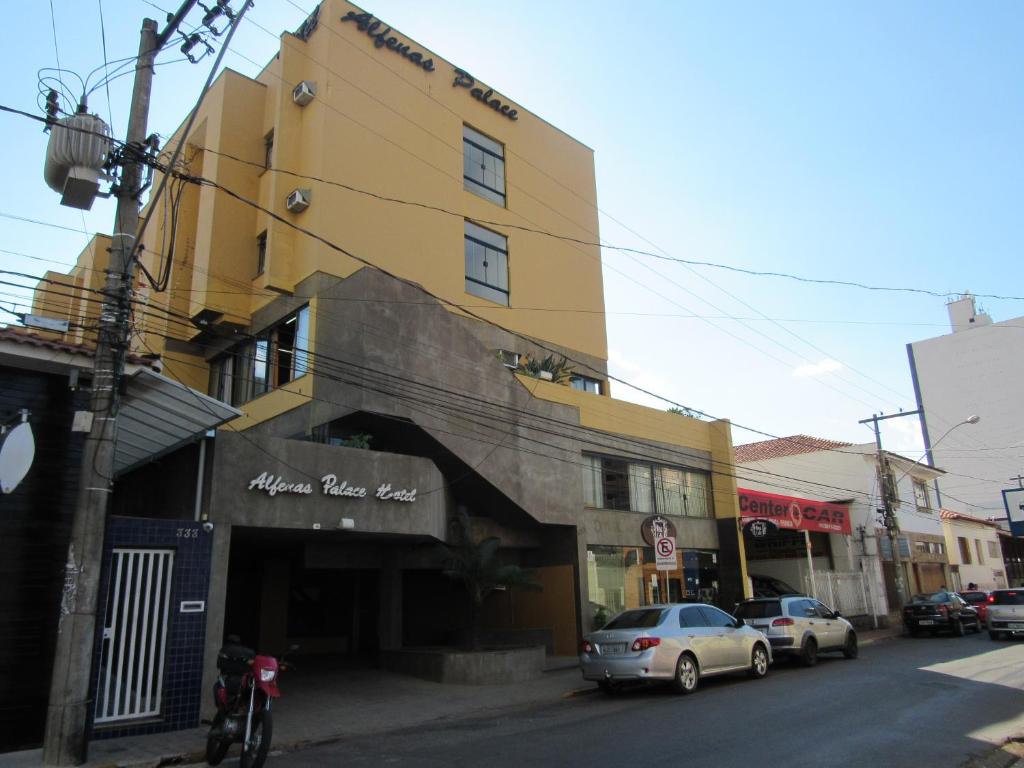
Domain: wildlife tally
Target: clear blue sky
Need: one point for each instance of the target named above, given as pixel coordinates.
(873, 142)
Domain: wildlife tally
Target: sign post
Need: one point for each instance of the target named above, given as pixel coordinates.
(1013, 500)
(665, 559)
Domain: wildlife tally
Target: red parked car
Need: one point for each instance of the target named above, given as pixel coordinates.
(979, 600)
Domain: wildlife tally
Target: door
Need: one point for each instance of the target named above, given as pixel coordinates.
(131, 674)
(831, 631)
(730, 643)
(701, 638)
(805, 619)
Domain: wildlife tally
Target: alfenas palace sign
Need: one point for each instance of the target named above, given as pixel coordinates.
(329, 485)
(382, 37)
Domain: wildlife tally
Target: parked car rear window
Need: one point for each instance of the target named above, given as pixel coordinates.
(759, 609)
(642, 618)
(974, 597)
(1008, 597)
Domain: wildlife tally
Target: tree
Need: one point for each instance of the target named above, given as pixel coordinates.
(477, 566)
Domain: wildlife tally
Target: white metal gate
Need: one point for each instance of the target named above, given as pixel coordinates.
(843, 592)
(135, 635)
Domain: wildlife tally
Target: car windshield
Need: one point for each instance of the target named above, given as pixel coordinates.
(932, 597)
(642, 618)
(1008, 597)
(758, 609)
(974, 597)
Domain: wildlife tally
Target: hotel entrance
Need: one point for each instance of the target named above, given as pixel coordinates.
(287, 588)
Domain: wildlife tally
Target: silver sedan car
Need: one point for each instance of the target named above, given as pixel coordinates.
(672, 643)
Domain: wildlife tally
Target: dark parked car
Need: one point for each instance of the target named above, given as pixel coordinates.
(938, 612)
(979, 600)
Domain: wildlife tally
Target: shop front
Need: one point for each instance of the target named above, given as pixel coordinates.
(802, 545)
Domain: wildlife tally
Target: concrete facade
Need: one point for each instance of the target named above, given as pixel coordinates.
(976, 369)
(354, 340)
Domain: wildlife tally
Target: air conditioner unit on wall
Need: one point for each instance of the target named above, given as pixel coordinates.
(298, 200)
(303, 93)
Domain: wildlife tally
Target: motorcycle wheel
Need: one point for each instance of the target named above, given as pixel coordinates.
(216, 745)
(254, 754)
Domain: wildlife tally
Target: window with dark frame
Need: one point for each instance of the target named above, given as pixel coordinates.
(268, 150)
(965, 550)
(486, 264)
(585, 384)
(921, 497)
(612, 483)
(483, 166)
(261, 252)
(269, 360)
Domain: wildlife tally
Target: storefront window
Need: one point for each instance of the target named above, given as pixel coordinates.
(621, 578)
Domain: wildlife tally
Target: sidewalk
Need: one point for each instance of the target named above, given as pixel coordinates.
(317, 708)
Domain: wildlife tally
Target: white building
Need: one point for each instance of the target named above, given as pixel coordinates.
(833, 472)
(975, 554)
(976, 369)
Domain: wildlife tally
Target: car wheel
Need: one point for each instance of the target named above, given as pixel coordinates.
(687, 674)
(758, 662)
(810, 655)
(995, 636)
(959, 629)
(977, 626)
(850, 650)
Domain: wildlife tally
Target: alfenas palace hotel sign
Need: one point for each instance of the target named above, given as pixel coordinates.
(382, 37)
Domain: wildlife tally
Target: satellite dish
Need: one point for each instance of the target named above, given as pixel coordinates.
(16, 454)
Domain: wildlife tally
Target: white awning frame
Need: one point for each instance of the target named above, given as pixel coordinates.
(158, 415)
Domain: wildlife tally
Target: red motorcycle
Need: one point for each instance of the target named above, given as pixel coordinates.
(243, 692)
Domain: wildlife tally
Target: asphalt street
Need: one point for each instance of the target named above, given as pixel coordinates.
(905, 702)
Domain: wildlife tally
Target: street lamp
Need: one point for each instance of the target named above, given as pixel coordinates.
(888, 489)
(972, 419)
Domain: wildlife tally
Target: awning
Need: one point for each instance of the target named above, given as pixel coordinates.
(158, 414)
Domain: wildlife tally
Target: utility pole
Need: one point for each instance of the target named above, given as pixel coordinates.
(70, 708)
(886, 483)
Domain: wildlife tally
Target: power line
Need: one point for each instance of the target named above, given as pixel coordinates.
(106, 81)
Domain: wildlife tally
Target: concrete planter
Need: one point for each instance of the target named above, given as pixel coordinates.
(486, 667)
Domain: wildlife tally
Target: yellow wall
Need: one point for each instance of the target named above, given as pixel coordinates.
(623, 418)
(75, 296)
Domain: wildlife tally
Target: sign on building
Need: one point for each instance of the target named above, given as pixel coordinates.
(1013, 500)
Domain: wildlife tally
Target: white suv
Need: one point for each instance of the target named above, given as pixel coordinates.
(1005, 613)
(800, 626)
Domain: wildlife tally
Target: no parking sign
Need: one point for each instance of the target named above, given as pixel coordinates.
(665, 553)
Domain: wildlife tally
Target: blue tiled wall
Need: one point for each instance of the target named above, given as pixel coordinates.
(183, 670)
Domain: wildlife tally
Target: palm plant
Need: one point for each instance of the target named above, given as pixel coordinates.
(477, 566)
(560, 370)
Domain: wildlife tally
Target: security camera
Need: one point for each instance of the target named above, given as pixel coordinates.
(208, 526)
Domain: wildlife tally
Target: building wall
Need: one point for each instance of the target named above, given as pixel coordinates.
(35, 527)
(975, 371)
(850, 474)
(987, 571)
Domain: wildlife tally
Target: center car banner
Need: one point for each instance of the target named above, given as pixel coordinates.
(794, 514)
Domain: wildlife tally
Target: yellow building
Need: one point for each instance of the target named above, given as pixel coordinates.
(391, 270)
